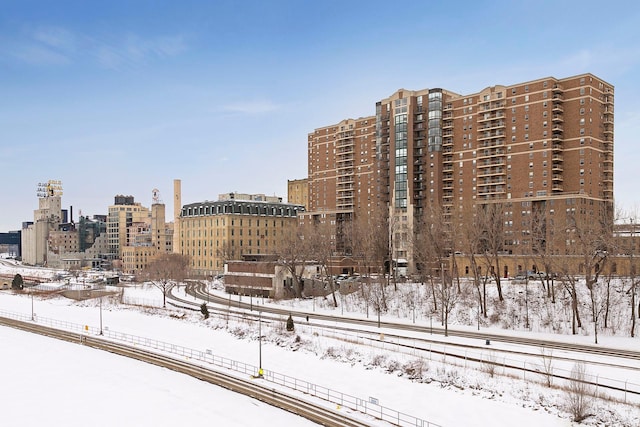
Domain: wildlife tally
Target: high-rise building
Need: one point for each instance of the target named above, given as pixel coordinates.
(343, 174)
(541, 150)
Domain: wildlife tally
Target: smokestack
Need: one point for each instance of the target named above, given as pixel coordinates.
(71, 214)
(177, 207)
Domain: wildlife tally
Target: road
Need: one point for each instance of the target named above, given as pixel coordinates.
(514, 356)
(278, 398)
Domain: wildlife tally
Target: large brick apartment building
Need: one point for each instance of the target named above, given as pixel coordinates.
(542, 149)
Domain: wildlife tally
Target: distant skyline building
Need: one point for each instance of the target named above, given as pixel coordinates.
(123, 214)
(298, 192)
(46, 219)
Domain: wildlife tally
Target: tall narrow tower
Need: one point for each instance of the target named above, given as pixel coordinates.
(158, 226)
(177, 207)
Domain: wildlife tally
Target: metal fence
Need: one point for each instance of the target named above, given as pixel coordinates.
(543, 372)
(369, 407)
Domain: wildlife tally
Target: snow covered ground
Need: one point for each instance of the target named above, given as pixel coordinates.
(73, 385)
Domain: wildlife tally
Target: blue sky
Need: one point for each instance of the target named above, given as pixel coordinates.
(121, 97)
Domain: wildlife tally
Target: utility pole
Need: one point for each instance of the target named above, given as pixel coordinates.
(260, 371)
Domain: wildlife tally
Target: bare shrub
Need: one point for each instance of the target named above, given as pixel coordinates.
(378, 360)
(489, 365)
(415, 369)
(547, 365)
(580, 394)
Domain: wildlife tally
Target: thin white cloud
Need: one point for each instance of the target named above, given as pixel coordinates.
(56, 37)
(616, 59)
(59, 46)
(251, 107)
(37, 55)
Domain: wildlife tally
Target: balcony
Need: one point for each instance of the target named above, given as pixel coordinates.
(557, 97)
(448, 124)
(556, 147)
(490, 163)
(491, 152)
(557, 177)
(490, 117)
(492, 181)
(491, 191)
(493, 106)
(491, 172)
(557, 168)
(557, 128)
(490, 135)
(557, 108)
(557, 187)
(496, 124)
(557, 88)
(557, 158)
(557, 118)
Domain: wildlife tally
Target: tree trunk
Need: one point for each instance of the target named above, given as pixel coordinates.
(484, 298)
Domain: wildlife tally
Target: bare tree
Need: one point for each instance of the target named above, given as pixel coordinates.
(490, 218)
(226, 251)
(165, 271)
(471, 236)
(293, 251)
(431, 247)
(370, 244)
(545, 238)
(448, 295)
(627, 245)
(321, 241)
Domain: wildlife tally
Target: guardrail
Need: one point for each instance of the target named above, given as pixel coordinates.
(367, 407)
(543, 371)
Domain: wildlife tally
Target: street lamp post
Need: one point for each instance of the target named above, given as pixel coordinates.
(101, 315)
(260, 371)
(32, 316)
